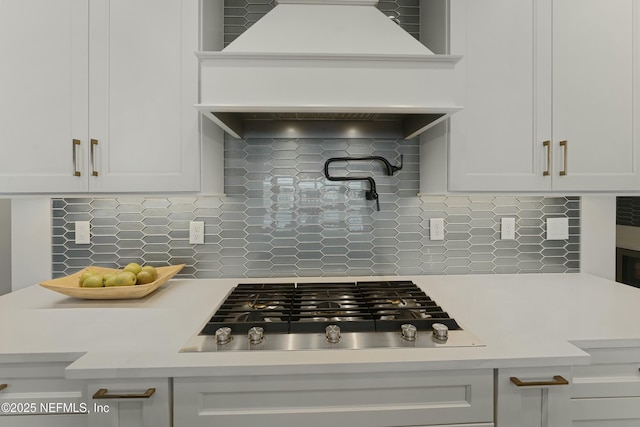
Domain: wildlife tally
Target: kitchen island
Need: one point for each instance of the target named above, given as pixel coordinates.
(546, 322)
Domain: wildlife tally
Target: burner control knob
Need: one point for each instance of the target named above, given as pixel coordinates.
(440, 331)
(256, 335)
(223, 335)
(409, 332)
(333, 333)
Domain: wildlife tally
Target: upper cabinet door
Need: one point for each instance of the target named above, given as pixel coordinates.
(596, 87)
(143, 87)
(43, 95)
(496, 141)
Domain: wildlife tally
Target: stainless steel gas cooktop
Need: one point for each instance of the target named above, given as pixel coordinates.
(314, 316)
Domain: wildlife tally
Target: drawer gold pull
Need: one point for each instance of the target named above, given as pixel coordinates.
(557, 380)
(3, 386)
(74, 153)
(103, 394)
(94, 142)
(547, 145)
(564, 145)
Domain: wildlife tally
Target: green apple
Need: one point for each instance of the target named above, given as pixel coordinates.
(133, 267)
(94, 281)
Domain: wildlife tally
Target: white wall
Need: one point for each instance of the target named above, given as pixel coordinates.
(5, 246)
(30, 242)
(598, 236)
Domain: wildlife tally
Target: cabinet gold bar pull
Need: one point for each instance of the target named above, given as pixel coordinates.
(3, 386)
(103, 394)
(76, 144)
(564, 145)
(547, 145)
(557, 380)
(94, 143)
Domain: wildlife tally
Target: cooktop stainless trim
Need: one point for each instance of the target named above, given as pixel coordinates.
(348, 341)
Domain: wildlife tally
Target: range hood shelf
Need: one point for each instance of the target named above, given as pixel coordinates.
(345, 69)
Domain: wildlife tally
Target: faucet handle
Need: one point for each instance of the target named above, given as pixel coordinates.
(373, 195)
(399, 167)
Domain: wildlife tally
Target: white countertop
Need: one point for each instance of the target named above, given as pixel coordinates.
(524, 320)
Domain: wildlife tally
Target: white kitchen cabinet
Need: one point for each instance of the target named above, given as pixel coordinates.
(320, 400)
(37, 394)
(533, 397)
(130, 403)
(496, 140)
(596, 73)
(607, 392)
(550, 93)
(43, 94)
(118, 77)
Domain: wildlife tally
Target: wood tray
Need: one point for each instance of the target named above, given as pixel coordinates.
(68, 285)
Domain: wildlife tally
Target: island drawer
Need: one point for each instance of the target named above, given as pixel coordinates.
(378, 399)
(38, 393)
(130, 402)
(613, 372)
(607, 392)
(536, 396)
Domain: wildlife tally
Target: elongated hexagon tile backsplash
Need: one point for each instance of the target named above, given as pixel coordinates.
(282, 217)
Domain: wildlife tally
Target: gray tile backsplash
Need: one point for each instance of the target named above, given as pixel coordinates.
(283, 218)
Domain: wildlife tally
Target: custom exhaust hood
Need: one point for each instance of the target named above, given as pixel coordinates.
(328, 69)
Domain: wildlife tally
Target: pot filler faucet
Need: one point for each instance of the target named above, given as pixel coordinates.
(370, 194)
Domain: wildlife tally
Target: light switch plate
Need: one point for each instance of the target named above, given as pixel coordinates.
(558, 228)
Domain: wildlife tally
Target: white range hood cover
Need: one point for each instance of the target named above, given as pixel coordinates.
(326, 69)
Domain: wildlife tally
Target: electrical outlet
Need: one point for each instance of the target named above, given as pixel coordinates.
(83, 233)
(558, 228)
(508, 229)
(196, 232)
(436, 228)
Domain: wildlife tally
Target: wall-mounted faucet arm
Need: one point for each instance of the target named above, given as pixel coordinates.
(389, 168)
(370, 194)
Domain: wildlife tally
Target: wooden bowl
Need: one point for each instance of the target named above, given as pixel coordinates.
(69, 285)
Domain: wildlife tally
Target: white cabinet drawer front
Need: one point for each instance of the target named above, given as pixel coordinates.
(614, 372)
(612, 380)
(154, 411)
(42, 396)
(320, 400)
(44, 421)
(606, 412)
(542, 399)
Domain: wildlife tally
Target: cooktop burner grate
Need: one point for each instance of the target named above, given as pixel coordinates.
(372, 306)
(317, 305)
(249, 305)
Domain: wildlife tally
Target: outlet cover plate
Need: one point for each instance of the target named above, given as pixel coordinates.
(436, 228)
(558, 228)
(196, 232)
(508, 229)
(83, 232)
